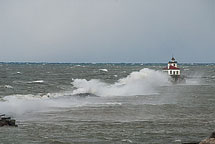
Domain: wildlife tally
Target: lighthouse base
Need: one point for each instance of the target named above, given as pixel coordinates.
(177, 79)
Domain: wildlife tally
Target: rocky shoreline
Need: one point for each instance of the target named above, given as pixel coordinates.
(7, 121)
(209, 140)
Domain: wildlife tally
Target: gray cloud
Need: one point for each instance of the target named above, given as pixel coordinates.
(107, 30)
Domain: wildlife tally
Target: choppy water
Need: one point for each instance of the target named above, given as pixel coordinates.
(123, 103)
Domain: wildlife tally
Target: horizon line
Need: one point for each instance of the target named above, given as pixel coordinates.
(28, 62)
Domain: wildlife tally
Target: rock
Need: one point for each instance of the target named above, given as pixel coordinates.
(7, 121)
(212, 135)
(210, 140)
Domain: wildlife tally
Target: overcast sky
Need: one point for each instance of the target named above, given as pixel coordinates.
(107, 30)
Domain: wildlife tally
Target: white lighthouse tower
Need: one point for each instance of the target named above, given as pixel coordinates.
(173, 70)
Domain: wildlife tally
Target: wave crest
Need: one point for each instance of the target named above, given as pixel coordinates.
(142, 82)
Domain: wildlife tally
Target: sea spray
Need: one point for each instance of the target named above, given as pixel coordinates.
(142, 82)
(21, 104)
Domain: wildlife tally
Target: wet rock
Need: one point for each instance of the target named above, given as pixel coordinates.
(7, 121)
(212, 135)
(210, 140)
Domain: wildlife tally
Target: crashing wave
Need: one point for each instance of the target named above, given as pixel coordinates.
(142, 82)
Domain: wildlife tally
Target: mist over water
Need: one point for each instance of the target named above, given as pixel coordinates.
(94, 99)
(138, 83)
(143, 82)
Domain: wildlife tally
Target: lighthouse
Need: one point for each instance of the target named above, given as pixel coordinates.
(174, 71)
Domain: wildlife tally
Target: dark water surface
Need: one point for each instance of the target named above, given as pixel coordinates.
(106, 103)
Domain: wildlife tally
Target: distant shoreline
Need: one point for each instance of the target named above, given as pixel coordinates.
(115, 63)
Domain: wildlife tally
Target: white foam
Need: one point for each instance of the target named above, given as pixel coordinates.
(8, 86)
(104, 70)
(142, 82)
(178, 140)
(112, 103)
(79, 66)
(186, 69)
(127, 140)
(21, 104)
(36, 81)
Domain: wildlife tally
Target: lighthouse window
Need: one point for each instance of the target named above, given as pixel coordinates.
(177, 72)
(174, 72)
(170, 72)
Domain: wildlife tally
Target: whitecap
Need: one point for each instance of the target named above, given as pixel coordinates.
(8, 86)
(104, 70)
(113, 103)
(178, 140)
(79, 66)
(127, 140)
(36, 81)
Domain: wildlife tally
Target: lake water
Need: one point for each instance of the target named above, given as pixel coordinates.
(106, 103)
